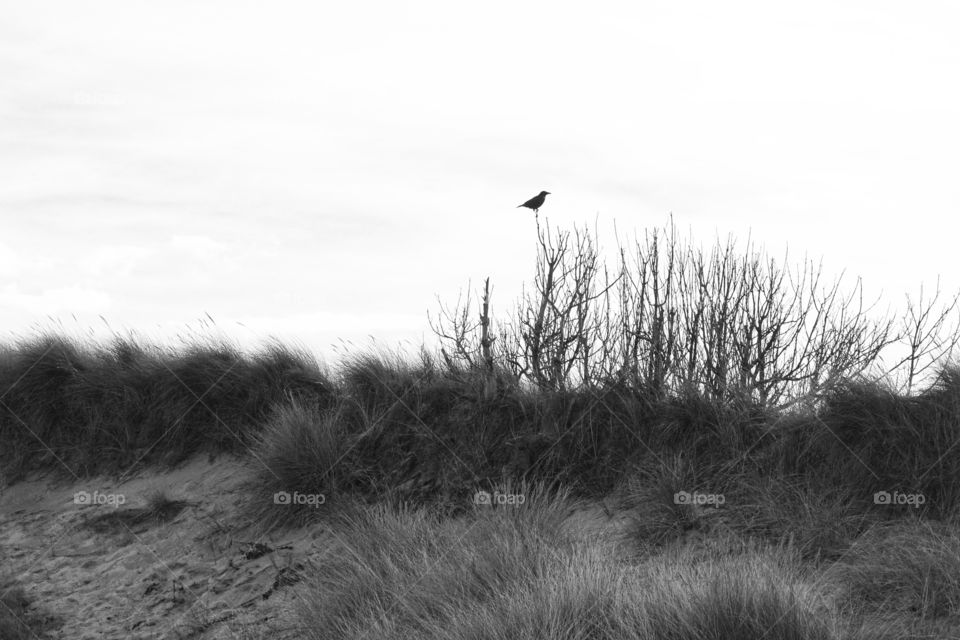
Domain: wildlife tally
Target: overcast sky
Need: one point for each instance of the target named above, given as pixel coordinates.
(318, 170)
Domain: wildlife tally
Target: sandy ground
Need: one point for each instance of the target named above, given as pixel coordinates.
(203, 574)
(198, 575)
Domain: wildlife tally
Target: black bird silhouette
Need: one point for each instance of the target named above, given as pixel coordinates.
(535, 202)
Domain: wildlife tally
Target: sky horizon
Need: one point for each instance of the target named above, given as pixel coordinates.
(318, 174)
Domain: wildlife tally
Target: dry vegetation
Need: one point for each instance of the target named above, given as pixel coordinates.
(674, 372)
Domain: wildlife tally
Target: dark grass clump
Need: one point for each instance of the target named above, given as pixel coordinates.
(671, 498)
(868, 439)
(84, 408)
(162, 508)
(434, 433)
(664, 495)
(302, 451)
(595, 437)
(439, 431)
(709, 429)
(212, 396)
(35, 378)
(819, 522)
(428, 433)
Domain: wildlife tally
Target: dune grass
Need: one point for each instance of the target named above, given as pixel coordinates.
(868, 439)
(433, 432)
(508, 572)
(299, 452)
(81, 408)
(399, 450)
(907, 566)
(514, 572)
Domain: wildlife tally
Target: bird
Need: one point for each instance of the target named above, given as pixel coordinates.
(535, 202)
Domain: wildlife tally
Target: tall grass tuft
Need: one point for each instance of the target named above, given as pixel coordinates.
(499, 575)
(869, 439)
(83, 408)
(300, 451)
(909, 567)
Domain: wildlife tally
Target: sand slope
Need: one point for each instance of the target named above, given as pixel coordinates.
(107, 572)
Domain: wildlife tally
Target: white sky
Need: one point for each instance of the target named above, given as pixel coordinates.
(318, 171)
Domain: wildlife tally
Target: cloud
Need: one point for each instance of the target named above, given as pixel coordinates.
(10, 261)
(333, 322)
(52, 301)
(113, 260)
(197, 246)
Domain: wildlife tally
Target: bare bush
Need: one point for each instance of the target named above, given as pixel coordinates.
(928, 336)
(468, 342)
(726, 323)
